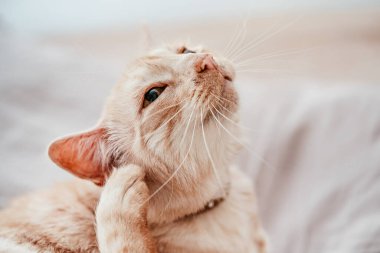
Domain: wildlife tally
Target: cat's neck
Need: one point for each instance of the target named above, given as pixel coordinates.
(178, 200)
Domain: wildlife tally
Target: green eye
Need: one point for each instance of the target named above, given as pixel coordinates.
(152, 95)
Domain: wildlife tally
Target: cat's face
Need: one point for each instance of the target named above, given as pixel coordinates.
(173, 112)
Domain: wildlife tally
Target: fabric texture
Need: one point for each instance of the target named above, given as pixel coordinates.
(314, 153)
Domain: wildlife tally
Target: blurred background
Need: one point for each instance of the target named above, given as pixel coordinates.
(308, 74)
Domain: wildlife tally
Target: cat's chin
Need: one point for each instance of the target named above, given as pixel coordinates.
(229, 77)
(221, 108)
(229, 100)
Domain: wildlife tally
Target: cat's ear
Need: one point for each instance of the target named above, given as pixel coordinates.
(147, 39)
(84, 155)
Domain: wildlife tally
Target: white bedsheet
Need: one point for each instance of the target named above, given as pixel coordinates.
(315, 159)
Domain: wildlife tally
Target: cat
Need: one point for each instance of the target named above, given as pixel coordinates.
(157, 169)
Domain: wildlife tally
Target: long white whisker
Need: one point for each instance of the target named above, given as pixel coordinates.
(163, 109)
(220, 102)
(241, 143)
(263, 62)
(179, 166)
(273, 71)
(187, 126)
(227, 49)
(183, 137)
(161, 126)
(259, 37)
(225, 99)
(239, 43)
(233, 122)
(265, 38)
(235, 39)
(271, 55)
(209, 155)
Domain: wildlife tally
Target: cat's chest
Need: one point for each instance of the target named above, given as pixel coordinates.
(221, 229)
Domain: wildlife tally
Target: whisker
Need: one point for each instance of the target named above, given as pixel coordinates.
(187, 126)
(259, 37)
(163, 109)
(170, 198)
(219, 131)
(266, 163)
(266, 71)
(233, 122)
(225, 99)
(209, 155)
(272, 55)
(227, 49)
(240, 41)
(161, 126)
(175, 172)
(235, 39)
(280, 63)
(183, 137)
(220, 102)
(265, 38)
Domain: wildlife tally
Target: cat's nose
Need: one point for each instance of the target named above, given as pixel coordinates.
(205, 63)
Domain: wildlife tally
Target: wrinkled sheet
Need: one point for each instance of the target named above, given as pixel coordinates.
(314, 155)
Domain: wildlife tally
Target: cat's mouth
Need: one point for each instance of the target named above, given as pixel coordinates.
(215, 81)
(227, 77)
(220, 97)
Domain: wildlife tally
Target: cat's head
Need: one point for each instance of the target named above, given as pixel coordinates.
(174, 112)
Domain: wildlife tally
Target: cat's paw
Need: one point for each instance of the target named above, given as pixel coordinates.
(121, 224)
(124, 196)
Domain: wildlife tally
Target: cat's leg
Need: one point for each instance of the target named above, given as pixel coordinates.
(121, 213)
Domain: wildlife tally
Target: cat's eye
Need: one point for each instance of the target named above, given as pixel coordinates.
(152, 95)
(188, 51)
(184, 50)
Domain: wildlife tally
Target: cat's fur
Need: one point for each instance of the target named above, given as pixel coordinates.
(160, 164)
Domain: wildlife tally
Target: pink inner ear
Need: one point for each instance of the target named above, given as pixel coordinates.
(82, 155)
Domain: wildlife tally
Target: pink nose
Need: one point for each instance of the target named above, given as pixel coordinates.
(205, 63)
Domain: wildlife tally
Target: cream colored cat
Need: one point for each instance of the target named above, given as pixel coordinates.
(163, 150)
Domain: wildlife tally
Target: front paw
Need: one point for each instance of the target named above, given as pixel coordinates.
(124, 197)
(121, 213)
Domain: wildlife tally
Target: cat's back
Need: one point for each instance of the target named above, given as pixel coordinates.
(59, 219)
